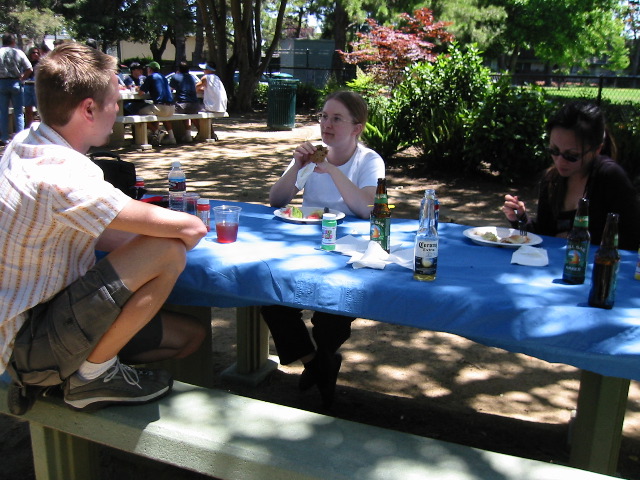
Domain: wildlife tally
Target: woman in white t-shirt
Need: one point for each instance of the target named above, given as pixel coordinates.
(346, 180)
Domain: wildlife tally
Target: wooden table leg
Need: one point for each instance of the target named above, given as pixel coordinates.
(197, 368)
(597, 432)
(253, 364)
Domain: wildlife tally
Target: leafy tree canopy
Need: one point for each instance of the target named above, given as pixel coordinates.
(31, 19)
(388, 51)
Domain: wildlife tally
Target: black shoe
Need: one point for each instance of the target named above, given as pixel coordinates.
(329, 366)
(308, 377)
(21, 399)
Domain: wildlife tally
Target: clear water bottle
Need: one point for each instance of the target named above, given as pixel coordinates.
(177, 187)
(426, 244)
(430, 193)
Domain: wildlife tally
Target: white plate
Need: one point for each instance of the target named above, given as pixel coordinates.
(307, 211)
(475, 235)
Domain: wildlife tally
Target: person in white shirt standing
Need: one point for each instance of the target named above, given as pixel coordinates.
(15, 67)
(215, 95)
(65, 319)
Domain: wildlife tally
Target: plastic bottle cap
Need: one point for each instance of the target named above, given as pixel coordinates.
(203, 201)
(329, 216)
(175, 163)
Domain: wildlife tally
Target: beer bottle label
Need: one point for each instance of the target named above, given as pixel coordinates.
(380, 231)
(581, 222)
(575, 263)
(426, 257)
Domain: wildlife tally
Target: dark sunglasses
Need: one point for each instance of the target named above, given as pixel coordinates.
(567, 156)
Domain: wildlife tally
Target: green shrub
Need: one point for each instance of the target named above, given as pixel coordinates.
(435, 102)
(260, 96)
(307, 97)
(623, 121)
(506, 132)
(382, 132)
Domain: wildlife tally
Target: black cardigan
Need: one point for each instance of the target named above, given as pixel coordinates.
(608, 190)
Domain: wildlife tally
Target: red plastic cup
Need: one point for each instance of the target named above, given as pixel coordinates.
(227, 219)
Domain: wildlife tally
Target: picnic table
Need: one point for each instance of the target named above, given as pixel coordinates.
(478, 294)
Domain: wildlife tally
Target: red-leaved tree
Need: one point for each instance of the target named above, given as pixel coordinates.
(386, 51)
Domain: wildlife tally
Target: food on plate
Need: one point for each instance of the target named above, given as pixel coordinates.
(315, 214)
(515, 239)
(490, 237)
(320, 154)
(294, 212)
(494, 238)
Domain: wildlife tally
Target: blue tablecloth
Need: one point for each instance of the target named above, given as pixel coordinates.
(478, 293)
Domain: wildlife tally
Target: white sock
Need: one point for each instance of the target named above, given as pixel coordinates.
(91, 371)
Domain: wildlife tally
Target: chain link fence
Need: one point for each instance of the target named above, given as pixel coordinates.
(614, 89)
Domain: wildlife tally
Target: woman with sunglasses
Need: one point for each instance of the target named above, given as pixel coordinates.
(346, 181)
(582, 152)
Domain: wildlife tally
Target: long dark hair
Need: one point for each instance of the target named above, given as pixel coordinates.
(587, 121)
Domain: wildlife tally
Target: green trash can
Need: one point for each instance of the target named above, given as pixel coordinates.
(281, 103)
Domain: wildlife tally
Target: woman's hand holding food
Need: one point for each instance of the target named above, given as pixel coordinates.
(307, 152)
(513, 208)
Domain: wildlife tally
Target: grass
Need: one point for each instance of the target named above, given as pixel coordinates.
(613, 95)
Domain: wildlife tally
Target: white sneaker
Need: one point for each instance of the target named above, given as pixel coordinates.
(168, 139)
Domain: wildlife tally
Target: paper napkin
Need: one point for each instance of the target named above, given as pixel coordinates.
(303, 175)
(530, 256)
(365, 253)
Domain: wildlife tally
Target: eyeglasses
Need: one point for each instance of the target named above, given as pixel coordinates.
(554, 152)
(335, 120)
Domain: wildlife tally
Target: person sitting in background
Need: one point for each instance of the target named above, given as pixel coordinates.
(135, 79)
(157, 87)
(187, 101)
(29, 92)
(65, 319)
(215, 95)
(133, 82)
(582, 151)
(346, 181)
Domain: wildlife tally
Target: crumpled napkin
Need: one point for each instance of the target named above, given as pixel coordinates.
(303, 175)
(365, 253)
(530, 256)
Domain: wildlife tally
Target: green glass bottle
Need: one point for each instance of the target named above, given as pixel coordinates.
(380, 219)
(578, 240)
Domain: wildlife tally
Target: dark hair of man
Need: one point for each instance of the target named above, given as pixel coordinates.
(8, 39)
(183, 67)
(71, 73)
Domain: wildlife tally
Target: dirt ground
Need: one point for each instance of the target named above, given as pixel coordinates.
(427, 383)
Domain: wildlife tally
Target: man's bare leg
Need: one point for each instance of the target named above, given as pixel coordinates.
(149, 267)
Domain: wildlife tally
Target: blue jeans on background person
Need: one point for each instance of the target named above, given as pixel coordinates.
(29, 95)
(10, 91)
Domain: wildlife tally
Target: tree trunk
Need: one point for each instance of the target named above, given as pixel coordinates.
(513, 61)
(341, 22)
(199, 46)
(180, 41)
(635, 62)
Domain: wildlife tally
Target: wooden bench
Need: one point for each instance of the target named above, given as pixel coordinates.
(139, 123)
(227, 436)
